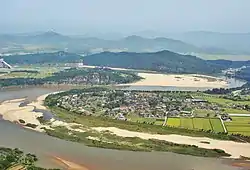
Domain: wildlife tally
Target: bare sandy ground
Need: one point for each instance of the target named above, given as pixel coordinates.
(176, 80)
(181, 80)
(11, 111)
(233, 148)
(39, 102)
(70, 165)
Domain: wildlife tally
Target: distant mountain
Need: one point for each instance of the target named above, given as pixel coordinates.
(187, 43)
(92, 44)
(140, 44)
(232, 43)
(229, 63)
(164, 61)
(41, 58)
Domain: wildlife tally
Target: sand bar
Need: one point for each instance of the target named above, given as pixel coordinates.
(11, 111)
(179, 80)
(69, 165)
(234, 148)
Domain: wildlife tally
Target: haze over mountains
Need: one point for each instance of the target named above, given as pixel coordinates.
(192, 42)
(163, 61)
(212, 42)
(233, 43)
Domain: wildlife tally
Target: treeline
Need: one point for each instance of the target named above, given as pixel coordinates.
(25, 71)
(243, 74)
(76, 76)
(226, 90)
(41, 58)
(163, 61)
(9, 158)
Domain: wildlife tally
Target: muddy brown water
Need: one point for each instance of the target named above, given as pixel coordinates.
(44, 147)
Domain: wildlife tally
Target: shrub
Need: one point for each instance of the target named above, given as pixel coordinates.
(31, 125)
(21, 121)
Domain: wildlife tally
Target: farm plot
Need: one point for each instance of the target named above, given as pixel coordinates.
(212, 124)
(174, 122)
(187, 123)
(202, 123)
(240, 125)
(216, 125)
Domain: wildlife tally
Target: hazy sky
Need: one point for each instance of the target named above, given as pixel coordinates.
(81, 16)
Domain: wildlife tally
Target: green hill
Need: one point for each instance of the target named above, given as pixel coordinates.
(164, 61)
(41, 58)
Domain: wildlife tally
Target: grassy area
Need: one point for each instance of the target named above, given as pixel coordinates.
(240, 125)
(217, 99)
(111, 141)
(32, 72)
(216, 125)
(202, 123)
(146, 120)
(187, 123)
(203, 112)
(174, 122)
(235, 111)
(141, 119)
(92, 121)
(206, 124)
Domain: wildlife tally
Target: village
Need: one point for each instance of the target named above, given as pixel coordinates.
(125, 105)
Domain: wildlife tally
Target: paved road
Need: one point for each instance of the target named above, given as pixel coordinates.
(240, 115)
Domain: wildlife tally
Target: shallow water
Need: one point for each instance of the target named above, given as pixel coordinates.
(14, 136)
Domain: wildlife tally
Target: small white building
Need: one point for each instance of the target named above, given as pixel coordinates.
(3, 64)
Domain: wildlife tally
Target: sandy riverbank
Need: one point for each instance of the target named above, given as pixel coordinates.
(11, 111)
(235, 149)
(179, 80)
(68, 164)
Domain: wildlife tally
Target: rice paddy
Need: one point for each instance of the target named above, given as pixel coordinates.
(212, 124)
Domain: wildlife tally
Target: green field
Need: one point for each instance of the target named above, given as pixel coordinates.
(174, 122)
(203, 112)
(187, 123)
(236, 111)
(141, 119)
(202, 123)
(212, 124)
(216, 124)
(42, 72)
(239, 125)
(221, 101)
(146, 120)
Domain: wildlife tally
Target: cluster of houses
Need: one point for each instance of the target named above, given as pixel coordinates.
(121, 104)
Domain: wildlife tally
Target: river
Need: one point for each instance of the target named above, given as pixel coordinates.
(44, 147)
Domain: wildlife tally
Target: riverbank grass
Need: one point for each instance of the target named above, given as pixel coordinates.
(110, 141)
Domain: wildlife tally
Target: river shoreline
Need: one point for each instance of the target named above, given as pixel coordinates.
(11, 111)
(101, 159)
(179, 80)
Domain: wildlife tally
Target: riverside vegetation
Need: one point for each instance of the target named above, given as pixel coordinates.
(11, 159)
(186, 110)
(88, 118)
(108, 140)
(88, 76)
